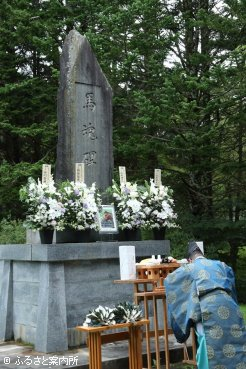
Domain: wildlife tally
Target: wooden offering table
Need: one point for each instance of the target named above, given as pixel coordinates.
(133, 334)
(149, 286)
(156, 272)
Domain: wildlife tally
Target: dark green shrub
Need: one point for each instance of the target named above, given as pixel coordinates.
(12, 232)
(178, 242)
(240, 275)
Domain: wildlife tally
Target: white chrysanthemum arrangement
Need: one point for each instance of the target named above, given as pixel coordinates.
(147, 206)
(158, 206)
(80, 204)
(75, 205)
(72, 205)
(44, 205)
(129, 205)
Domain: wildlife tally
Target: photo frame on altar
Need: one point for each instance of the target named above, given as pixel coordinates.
(107, 219)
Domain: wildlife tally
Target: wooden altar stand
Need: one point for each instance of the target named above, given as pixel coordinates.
(147, 287)
(96, 338)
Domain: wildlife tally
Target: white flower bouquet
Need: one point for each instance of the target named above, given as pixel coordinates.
(129, 205)
(125, 312)
(44, 206)
(80, 204)
(73, 205)
(158, 206)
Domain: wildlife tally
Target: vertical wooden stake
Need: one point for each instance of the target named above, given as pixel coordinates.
(46, 173)
(122, 172)
(80, 172)
(157, 177)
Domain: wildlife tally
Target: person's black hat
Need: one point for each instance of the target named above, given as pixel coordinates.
(192, 247)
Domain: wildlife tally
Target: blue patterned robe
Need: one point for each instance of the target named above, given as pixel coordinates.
(204, 291)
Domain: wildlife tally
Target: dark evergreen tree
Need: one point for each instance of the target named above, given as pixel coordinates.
(177, 69)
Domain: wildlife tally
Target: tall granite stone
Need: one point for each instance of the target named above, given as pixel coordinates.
(84, 115)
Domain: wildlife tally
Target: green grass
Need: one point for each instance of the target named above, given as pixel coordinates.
(24, 343)
(243, 310)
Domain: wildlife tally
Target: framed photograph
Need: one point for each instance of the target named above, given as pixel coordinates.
(107, 219)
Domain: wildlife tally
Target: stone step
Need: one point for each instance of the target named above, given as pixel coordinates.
(114, 356)
(7, 349)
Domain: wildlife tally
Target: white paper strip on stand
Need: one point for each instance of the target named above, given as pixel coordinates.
(200, 245)
(127, 262)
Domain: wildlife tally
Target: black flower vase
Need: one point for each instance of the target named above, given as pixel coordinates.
(46, 235)
(84, 235)
(68, 235)
(130, 234)
(159, 233)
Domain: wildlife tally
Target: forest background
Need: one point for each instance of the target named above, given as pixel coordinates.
(177, 70)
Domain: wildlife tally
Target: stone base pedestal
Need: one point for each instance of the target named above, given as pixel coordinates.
(47, 290)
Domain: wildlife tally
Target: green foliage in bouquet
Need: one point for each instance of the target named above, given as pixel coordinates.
(127, 312)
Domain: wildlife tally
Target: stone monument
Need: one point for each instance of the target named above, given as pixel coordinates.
(47, 290)
(84, 115)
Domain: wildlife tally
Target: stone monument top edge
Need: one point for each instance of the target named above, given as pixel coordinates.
(77, 46)
(84, 114)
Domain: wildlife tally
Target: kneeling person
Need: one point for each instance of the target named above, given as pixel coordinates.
(202, 295)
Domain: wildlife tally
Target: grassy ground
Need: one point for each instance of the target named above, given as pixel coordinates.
(241, 277)
(243, 310)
